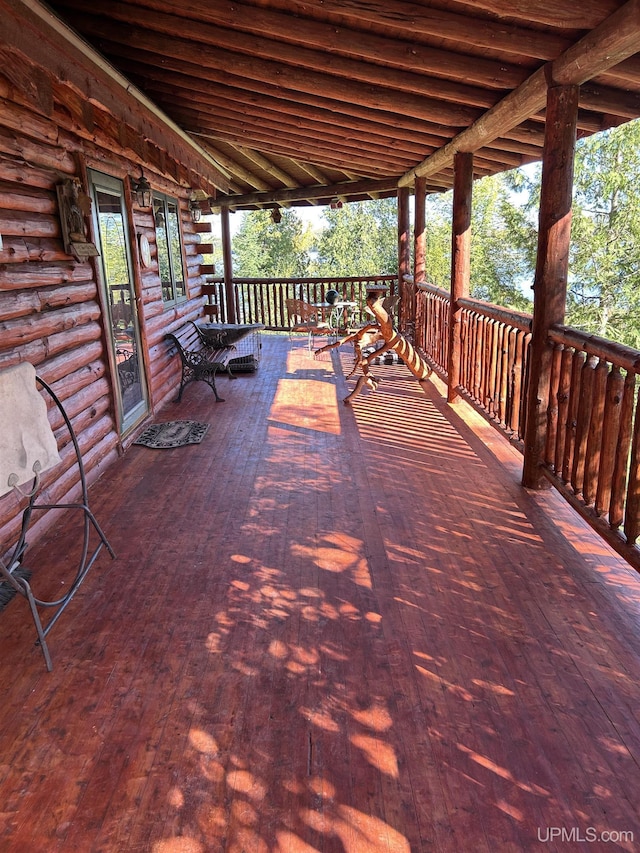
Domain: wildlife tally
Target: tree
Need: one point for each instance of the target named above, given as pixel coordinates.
(263, 248)
(604, 282)
(501, 259)
(361, 239)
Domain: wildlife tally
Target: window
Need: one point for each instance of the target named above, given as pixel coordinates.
(170, 263)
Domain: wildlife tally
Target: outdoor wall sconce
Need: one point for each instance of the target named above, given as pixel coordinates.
(142, 188)
(195, 210)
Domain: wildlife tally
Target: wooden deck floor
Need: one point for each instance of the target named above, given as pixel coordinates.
(328, 628)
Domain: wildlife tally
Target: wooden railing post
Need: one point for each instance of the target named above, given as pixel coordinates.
(550, 284)
(460, 263)
(228, 267)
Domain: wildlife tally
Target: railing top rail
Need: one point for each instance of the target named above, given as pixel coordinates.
(619, 354)
(431, 288)
(517, 319)
(307, 280)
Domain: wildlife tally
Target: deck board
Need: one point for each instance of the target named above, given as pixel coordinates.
(343, 629)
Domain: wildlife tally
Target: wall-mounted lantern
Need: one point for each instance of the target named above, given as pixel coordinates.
(142, 188)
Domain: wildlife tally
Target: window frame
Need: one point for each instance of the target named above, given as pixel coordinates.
(174, 289)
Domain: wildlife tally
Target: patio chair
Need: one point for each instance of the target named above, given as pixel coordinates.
(303, 317)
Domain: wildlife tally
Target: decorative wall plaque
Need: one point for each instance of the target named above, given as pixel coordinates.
(75, 206)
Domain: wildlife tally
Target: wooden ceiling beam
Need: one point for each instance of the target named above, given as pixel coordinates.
(346, 189)
(317, 174)
(239, 171)
(277, 123)
(617, 38)
(281, 139)
(166, 84)
(186, 74)
(328, 156)
(324, 155)
(301, 42)
(417, 22)
(367, 86)
(268, 166)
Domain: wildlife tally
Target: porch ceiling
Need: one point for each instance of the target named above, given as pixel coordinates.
(299, 102)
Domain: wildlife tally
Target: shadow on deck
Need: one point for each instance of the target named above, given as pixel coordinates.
(328, 628)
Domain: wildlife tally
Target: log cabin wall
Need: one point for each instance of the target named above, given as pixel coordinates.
(51, 311)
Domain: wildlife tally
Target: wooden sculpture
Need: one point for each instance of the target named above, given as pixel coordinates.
(382, 329)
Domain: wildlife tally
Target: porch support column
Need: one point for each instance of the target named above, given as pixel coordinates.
(550, 283)
(228, 267)
(460, 263)
(419, 248)
(404, 251)
(419, 230)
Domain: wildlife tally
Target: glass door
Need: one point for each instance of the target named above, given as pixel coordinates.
(122, 324)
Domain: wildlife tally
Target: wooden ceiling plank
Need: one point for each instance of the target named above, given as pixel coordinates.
(615, 39)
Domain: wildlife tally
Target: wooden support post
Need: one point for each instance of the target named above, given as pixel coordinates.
(550, 284)
(419, 231)
(460, 263)
(228, 268)
(419, 252)
(404, 250)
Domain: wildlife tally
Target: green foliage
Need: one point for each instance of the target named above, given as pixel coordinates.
(604, 282)
(604, 265)
(501, 267)
(360, 239)
(265, 249)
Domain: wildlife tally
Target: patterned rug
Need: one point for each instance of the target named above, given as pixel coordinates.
(388, 357)
(173, 434)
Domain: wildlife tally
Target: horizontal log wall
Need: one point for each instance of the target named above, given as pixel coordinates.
(51, 310)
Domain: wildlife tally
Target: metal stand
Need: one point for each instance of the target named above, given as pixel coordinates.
(14, 573)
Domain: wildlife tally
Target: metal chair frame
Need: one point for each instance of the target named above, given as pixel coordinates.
(12, 573)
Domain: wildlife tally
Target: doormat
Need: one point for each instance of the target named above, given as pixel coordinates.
(173, 434)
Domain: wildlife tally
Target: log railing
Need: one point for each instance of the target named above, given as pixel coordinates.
(495, 347)
(495, 343)
(259, 300)
(592, 450)
(432, 325)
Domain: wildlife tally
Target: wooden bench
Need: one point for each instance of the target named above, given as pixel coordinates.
(200, 361)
